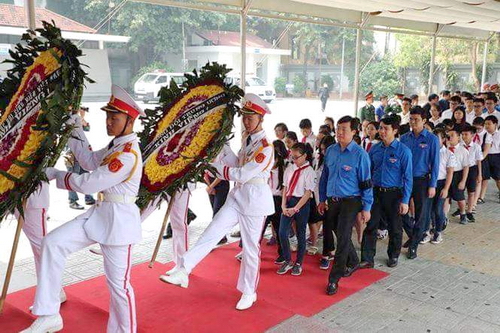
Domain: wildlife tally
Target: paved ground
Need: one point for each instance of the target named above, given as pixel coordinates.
(451, 287)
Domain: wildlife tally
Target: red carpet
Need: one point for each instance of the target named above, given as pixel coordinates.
(206, 306)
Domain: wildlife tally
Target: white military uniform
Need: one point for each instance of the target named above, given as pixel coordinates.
(178, 222)
(35, 220)
(248, 204)
(114, 222)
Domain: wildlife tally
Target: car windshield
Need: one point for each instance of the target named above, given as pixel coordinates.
(255, 81)
(148, 78)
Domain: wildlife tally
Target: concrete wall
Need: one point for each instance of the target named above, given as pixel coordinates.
(99, 71)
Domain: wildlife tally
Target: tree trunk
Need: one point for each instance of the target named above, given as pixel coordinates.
(474, 51)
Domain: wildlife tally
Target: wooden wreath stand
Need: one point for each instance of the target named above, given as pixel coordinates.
(10, 267)
(162, 231)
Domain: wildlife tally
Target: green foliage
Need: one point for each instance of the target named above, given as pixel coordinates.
(280, 85)
(65, 92)
(150, 68)
(299, 84)
(171, 95)
(328, 80)
(381, 77)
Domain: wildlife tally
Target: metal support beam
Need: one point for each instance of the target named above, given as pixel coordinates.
(243, 44)
(359, 35)
(432, 64)
(485, 63)
(30, 14)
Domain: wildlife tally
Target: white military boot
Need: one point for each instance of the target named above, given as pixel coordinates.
(179, 278)
(62, 298)
(172, 271)
(246, 301)
(46, 324)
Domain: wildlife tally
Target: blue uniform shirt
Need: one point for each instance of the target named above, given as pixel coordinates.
(392, 167)
(425, 154)
(379, 111)
(346, 173)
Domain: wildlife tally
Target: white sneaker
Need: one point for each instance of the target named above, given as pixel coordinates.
(96, 251)
(46, 324)
(62, 299)
(437, 239)
(293, 248)
(426, 239)
(382, 234)
(178, 278)
(246, 301)
(172, 271)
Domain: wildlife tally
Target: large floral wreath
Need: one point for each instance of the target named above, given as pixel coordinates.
(183, 135)
(45, 81)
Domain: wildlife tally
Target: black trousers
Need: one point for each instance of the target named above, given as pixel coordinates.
(386, 207)
(415, 228)
(342, 215)
(275, 221)
(218, 199)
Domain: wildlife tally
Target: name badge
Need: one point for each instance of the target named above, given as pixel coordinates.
(393, 160)
(347, 167)
(423, 145)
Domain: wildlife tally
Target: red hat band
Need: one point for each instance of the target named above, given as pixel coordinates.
(123, 107)
(254, 107)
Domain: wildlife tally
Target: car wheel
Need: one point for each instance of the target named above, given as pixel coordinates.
(268, 101)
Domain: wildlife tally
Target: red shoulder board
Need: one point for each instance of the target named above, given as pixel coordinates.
(128, 147)
(264, 142)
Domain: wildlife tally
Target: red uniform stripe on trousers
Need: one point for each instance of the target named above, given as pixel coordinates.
(127, 292)
(43, 222)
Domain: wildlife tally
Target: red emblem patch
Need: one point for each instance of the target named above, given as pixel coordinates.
(115, 165)
(264, 142)
(260, 157)
(128, 147)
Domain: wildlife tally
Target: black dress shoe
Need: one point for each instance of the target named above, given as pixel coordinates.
(406, 244)
(350, 270)
(332, 288)
(168, 233)
(412, 253)
(222, 241)
(366, 264)
(392, 262)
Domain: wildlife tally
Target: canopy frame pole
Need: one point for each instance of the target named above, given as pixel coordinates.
(432, 66)
(359, 36)
(243, 41)
(30, 14)
(485, 63)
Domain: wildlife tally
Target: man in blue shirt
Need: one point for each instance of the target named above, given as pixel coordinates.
(346, 183)
(424, 147)
(392, 184)
(380, 110)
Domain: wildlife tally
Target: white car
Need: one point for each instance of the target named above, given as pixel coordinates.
(147, 87)
(256, 86)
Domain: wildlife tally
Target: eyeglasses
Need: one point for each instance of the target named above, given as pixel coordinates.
(296, 157)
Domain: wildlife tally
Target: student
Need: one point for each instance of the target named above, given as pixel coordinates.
(380, 110)
(492, 148)
(346, 183)
(475, 173)
(470, 112)
(290, 140)
(280, 130)
(483, 139)
(461, 171)
(448, 124)
(331, 123)
(444, 102)
(307, 133)
(371, 137)
(276, 184)
(433, 99)
(414, 100)
(455, 102)
(458, 119)
(429, 126)
(405, 114)
(298, 185)
(447, 162)
(490, 102)
(478, 106)
(392, 180)
(435, 118)
(425, 154)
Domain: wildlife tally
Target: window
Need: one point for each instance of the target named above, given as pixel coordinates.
(162, 79)
(148, 78)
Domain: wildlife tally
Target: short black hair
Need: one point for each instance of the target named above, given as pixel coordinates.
(456, 99)
(469, 128)
(457, 129)
(352, 122)
(445, 92)
(383, 96)
(430, 124)
(491, 97)
(493, 119)
(417, 110)
(392, 120)
(291, 135)
(479, 100)
(282, 126)
(432, 96)
(439, 131)
(414, 96)
(478, 121)
(467, 95)
(325, 127)
(436, 106)
(447, 122)
(305, 123)
(406, 99)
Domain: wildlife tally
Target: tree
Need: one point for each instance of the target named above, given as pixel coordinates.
(381, 77)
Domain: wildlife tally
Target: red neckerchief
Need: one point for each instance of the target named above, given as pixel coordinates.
(294, 180)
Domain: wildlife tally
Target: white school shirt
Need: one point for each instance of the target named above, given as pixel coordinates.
(495, 142)
(305, 181)
(446, 160)
(494, 113)
(470, 116)
(484, 138)
(446, 114)
(475, 153)
(405, 118)
(274, 182)
(367, 143)
(311, 140)
(434, 121)
(462, 156)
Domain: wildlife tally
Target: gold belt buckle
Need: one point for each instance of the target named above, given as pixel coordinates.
(100, 196)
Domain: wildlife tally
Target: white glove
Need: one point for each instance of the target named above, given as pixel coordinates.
(51, 173)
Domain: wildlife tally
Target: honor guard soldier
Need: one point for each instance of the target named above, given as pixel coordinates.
(248, 204)
(114, 222)
(424, 148)
(392, 181)
(346, 183)
(367, 112)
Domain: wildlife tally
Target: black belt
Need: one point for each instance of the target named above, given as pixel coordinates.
(387, 189)
(340, 199)
(424, 177)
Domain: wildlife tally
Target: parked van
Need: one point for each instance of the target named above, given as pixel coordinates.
(256, 86)
(147, 87)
